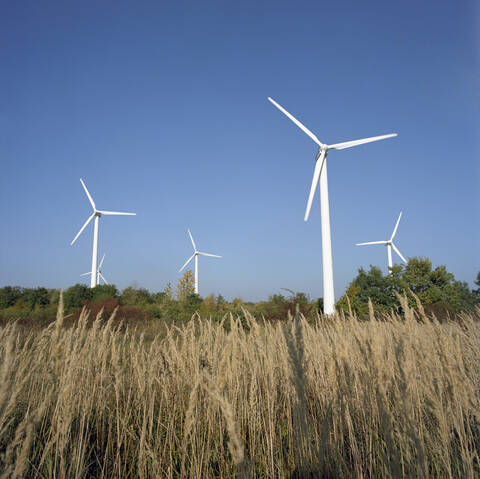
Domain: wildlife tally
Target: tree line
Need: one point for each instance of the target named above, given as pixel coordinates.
(437, 290)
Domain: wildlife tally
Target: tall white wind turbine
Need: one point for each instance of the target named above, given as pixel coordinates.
(195, 255)
(99, 272)
(96, 214)
(389, 244)
(320, 176)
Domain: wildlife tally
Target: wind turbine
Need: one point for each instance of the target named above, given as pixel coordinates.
(320, 176)
(389, 244)
(195, 255)
(96, 214)
(99, 272)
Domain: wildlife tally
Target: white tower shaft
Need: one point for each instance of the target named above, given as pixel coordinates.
(328, 289)
(196, 274)
(93, 277)
(390, 262)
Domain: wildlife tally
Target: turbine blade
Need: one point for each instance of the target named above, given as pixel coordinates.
(349, 144)
(193, 242)
(300, 125)
(82, 228)
(396, 226)
(85, 274)
(88, 194)
(209, 254)
(399, 254)
(315, 179)
(188, 261)
(116, 213)
(104, 280)
(371, 242)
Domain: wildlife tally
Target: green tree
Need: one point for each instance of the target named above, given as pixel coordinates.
(380, 289)
(476, 292)
(76, 296)
(277, 299)
(133, 296)
(302, 302)
(104, 291)
(9, 295)
(186, 286)
(351, 300)
(33, 299)
(192, 303)
(432, 286)
(159, 297)
(54, 296)
(143, 297)
(220, 301)
(208, 306)
(319, 305)
(168, 291)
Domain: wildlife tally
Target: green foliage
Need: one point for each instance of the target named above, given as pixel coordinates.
(280, 307)
(436, 288)
(29, 299)
(192, 303)
(209, 306)
(186, 286)
(277, 299)
(133, 296)
(319, 304)
(221, 300)
(432, 287)
(476, 292)
(159, 297)
(168, 291)
(104, 291)
(9, 295)
(76, 296)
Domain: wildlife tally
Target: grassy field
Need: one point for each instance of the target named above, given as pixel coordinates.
(389, 397)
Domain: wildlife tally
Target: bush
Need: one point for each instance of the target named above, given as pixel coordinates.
(129, 315)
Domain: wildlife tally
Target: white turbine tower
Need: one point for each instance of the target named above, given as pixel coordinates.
(195, 255)
(96, 214)
(99, 272)
(389, 244)
(320, 176)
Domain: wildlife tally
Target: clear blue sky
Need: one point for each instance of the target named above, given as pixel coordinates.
(161, 107)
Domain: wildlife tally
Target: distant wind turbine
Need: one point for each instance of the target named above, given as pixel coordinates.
(195, 255)
(99, 272)
(96, 214)
(320, 176)
(389, 244)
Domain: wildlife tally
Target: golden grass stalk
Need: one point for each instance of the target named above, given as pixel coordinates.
(394, 396)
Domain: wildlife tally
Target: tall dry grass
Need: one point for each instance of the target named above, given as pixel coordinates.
(389, 397)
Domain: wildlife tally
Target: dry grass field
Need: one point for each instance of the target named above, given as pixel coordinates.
(395, 396)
